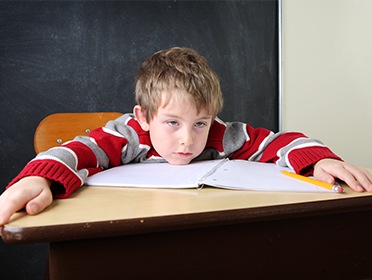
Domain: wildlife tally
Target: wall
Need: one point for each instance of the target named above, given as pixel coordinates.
(327, 70)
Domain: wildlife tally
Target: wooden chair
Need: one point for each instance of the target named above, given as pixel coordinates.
(58, 128)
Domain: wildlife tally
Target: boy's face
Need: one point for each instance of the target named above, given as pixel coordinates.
(178, 133)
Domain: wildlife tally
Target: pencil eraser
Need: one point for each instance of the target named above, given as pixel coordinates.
(339, 189)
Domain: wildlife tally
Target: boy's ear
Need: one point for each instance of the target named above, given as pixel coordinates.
(140, 115)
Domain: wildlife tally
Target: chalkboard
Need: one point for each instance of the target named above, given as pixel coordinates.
(74, 56)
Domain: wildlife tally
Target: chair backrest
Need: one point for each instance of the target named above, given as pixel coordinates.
(58, 128)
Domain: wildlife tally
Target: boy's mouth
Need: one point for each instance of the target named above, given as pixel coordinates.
(183, 154)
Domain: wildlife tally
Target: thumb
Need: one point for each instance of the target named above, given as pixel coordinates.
(40, 202)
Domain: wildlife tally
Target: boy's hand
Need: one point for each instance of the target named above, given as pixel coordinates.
(32, 193)
(327, 170)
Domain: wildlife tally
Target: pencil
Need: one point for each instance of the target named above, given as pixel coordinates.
(328, 186)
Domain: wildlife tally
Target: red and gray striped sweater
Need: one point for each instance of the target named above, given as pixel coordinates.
(122, 141)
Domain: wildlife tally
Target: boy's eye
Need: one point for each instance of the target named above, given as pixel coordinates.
(172, 123)
(200, 124)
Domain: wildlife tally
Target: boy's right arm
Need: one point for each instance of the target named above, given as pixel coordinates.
(69, 165)
(32, 193)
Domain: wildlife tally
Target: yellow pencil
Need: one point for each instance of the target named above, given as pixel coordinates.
(331, 187)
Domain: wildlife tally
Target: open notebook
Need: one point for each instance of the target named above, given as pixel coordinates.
(228, 174)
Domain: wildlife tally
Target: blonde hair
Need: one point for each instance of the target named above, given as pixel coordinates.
(182, 69)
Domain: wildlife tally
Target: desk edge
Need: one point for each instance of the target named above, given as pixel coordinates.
(112, 228)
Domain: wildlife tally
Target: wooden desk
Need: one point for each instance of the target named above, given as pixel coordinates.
(114, 233)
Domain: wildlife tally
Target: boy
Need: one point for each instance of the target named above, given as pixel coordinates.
(175, 120)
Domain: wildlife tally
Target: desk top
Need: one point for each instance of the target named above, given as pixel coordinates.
(106, 211)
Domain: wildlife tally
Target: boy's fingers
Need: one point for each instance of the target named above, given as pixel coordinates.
(19, 196)
(39, 203)
(360, 178)
(8, 206)
(4, 216)
(323, 176)
(356, 178)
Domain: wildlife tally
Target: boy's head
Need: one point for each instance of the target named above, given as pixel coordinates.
(178, 96)
(184, 70)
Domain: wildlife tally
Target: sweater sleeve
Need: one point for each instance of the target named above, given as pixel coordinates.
(64, 180)
(69, 165)
(297, 151)
(287, 149)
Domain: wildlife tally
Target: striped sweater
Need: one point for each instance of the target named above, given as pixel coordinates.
(122, 141)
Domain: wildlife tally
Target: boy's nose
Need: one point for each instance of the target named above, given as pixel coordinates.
(186, 138)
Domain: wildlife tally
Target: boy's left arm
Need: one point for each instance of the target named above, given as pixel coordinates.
(304, 155)
(358, 179)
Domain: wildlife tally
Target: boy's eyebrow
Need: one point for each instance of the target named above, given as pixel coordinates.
(205, 118)
(177, 116)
